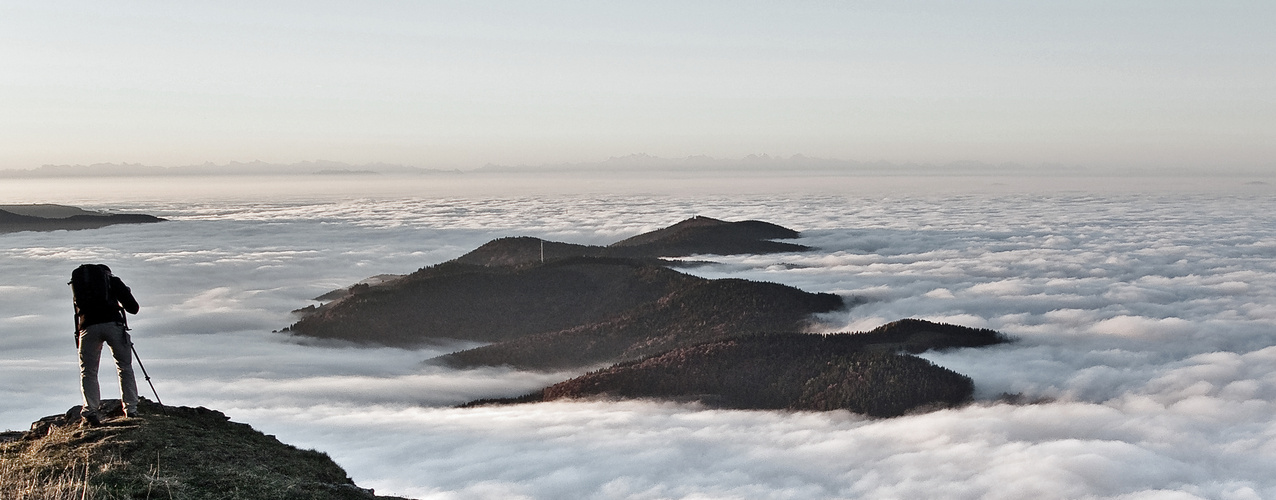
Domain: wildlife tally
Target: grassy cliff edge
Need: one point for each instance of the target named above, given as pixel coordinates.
(166, 452)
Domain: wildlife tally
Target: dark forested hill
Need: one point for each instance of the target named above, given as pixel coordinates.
(565, 313)
(550, 305)
(694, 236)
(15, 218)
(490, 304)
(864, 373)
(523, 250)
(697, 311)
(704, 235)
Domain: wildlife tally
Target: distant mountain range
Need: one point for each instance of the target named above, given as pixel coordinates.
(635, 163)
(233, 168)
(46, 217)
(638, 164)
(781, 164)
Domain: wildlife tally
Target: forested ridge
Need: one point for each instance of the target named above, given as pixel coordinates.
(726, 342)
(562, 314)
(490, 303)
(696, 312)
(579, 305)
(62, 218)
(867, 373)
(694, 236)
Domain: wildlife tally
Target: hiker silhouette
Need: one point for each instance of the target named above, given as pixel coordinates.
(101, 300)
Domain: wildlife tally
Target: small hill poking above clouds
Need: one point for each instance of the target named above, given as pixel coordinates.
(548, 305)
(706, 235)
(167, 452)
(697, 311)
(562, 314)
(698, 235)
(726, 342)
(47, 217)
(867, 373)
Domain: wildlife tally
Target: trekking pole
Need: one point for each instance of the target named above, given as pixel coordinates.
(131, 345)
(144, 374)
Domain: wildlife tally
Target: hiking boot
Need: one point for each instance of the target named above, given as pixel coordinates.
(130, 412)
(91, 420)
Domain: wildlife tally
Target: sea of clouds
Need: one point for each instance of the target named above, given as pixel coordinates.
(1145, 327)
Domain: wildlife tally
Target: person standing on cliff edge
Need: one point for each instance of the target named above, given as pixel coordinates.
(101, 300)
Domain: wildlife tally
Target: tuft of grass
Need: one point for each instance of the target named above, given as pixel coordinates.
(166, 453)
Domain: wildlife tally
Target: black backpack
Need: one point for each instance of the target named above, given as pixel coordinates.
(91, 286)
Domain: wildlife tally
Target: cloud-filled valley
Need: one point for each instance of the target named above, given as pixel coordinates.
(1145, 326)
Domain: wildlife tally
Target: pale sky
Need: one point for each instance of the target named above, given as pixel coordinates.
(461, 84)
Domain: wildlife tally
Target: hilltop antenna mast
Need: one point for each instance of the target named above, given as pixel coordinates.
(542, 250)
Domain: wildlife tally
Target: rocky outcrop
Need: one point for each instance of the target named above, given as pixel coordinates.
(166, 452)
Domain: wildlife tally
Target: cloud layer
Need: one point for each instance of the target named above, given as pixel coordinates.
(1144, 321)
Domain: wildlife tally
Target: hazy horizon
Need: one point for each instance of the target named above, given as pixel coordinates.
(458, 85)
(639, 164)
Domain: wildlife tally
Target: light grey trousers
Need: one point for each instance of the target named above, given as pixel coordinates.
(91, 339)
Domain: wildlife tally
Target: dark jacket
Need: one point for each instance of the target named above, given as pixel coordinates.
(93, 315)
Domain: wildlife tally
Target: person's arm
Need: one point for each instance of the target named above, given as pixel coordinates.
(124, 295)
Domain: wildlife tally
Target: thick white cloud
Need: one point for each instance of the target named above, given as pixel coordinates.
(664, 450)
(1144, 323)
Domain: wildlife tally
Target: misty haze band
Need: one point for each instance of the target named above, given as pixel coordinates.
(95, 327)
(116, 337)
